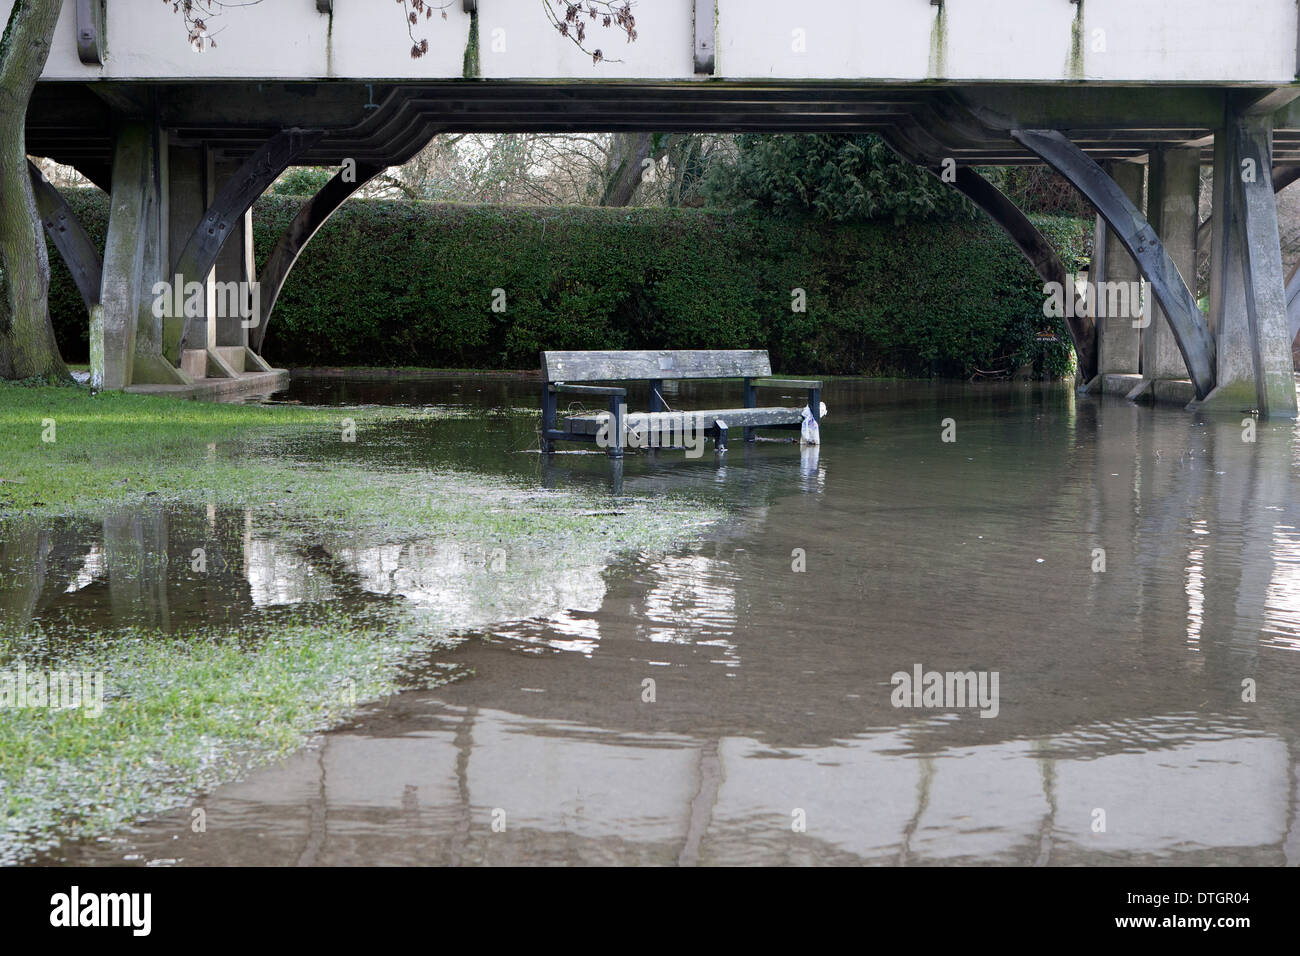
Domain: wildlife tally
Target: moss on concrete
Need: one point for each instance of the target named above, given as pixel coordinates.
(1075, 67)
(470, 67)
(938, 45)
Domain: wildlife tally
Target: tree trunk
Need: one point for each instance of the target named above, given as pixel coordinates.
(625, 166)
(27, 346)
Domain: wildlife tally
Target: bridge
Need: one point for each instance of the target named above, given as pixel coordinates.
(186, 124)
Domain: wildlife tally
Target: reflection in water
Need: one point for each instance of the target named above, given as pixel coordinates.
(1282, 609)
(172, 566)
(1123, 685)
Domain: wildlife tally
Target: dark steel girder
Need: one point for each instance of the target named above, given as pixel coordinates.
(65, 231)
(1038, 250)
(1132, 229)
(1033, 245)
(313, 214)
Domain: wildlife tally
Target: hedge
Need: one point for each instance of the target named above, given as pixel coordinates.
(398, 283)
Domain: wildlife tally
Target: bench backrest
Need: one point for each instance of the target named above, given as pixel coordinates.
(674, 364)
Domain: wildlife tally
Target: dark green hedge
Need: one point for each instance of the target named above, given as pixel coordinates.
(411, 284)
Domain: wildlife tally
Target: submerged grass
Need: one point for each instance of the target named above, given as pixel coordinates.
(184, 711)
(64, 449)
(180, 713)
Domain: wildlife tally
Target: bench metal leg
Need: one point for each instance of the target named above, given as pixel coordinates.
(751, 401)
(656, 395)
(616, 409)
(720, 440)
(548, 419)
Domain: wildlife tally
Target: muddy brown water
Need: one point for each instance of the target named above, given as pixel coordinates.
(1121, 734)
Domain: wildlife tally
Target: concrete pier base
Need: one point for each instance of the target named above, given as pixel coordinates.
(247, 385)
(1254, 370)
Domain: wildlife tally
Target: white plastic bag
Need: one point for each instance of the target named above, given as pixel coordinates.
(809, 432)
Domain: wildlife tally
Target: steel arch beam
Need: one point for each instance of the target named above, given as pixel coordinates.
(313, 214)
(65, 231)
(1132, 229)
(1035, 247)
(1254, 216)
(232, 201)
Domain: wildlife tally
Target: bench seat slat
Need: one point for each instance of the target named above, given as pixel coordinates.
(794, 383)
(654, 364)
(587, 389)
(590, 424)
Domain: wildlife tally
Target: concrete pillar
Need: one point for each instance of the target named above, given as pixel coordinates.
(1173, 192)
(154, 260)
(187, 199)
(1118, 341)
(234, 264)
(125, 335)
(113, 321)
(1248, 314)
(151, 367)
(217, 337)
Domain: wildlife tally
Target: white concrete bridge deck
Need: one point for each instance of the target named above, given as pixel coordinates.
(884, 41)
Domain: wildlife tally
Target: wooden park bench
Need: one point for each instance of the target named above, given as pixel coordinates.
(570, 373)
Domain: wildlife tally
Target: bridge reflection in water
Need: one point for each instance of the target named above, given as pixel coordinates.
(1120, 691)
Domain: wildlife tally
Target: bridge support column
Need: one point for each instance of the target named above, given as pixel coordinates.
(196, 173)
(1173, 193)
(1248, 313)
(219, 340)
(188, 196)
(1140, 241)
(1118, 339)
(234, 264)
(125, 336)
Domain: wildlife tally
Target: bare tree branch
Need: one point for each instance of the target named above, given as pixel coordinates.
(570, 19)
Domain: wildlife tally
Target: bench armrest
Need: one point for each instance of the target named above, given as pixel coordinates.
(587, 389)
(786, 383)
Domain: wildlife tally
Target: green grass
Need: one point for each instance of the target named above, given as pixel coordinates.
(187, 710)
(99, 443)
(181, 713)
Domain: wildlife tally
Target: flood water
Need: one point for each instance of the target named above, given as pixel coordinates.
(1120, 736)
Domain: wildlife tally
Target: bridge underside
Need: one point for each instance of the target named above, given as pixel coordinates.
(188, 160)
(390, 123)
